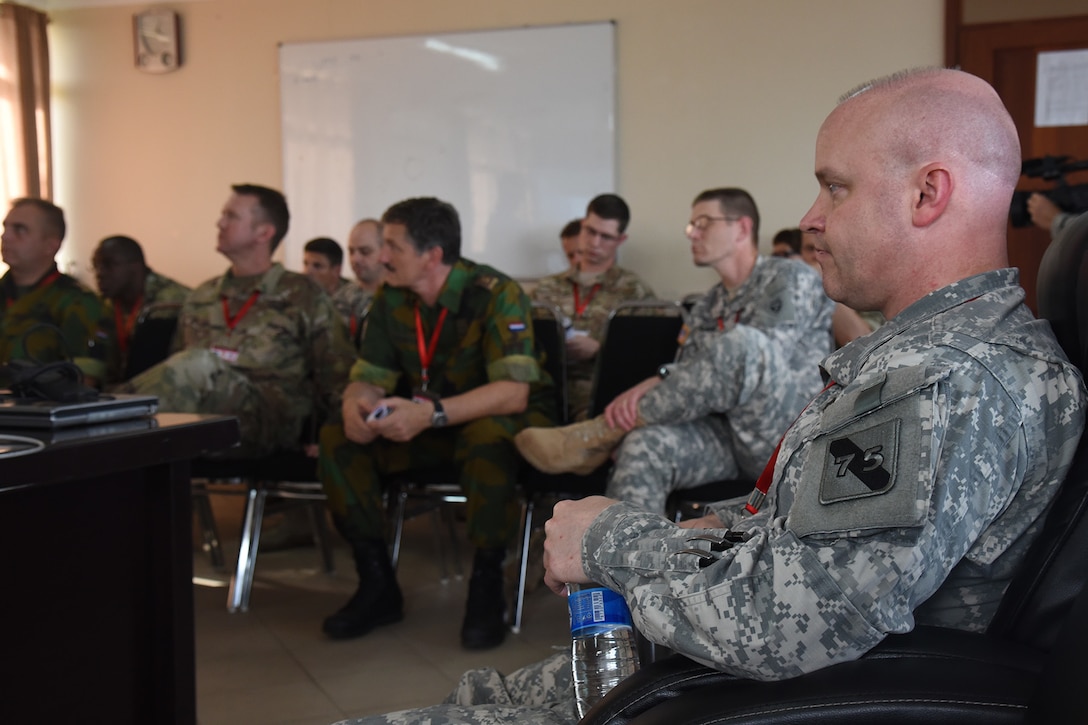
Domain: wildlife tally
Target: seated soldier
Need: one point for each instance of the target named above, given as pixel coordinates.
(364, 245)
(570, 238)
(128, 286)
(588, 294)
(459, 336)
(47, 316)
(909, 490)
(258, 342)
(745, 371)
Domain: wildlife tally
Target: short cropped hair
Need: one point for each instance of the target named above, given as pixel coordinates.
(126, 248)
(572, 229)
(273, 208)
(430, 223)
(328, 248)
(790, 236)
(734, 201)
(610, 206)
(54, 215)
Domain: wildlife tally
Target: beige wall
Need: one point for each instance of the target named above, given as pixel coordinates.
(710, 92)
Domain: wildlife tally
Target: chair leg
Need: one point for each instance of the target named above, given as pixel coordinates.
(208, 530)
(438, 514)
(241, 582)
(316, 510)
(455, 548)
(398, 526)
(526, 534)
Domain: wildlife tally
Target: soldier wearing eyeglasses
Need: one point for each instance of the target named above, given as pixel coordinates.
(587, 293)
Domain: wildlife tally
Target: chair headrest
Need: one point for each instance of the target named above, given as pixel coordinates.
(1062, 289)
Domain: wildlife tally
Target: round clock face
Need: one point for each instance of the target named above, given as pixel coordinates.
(156, 41)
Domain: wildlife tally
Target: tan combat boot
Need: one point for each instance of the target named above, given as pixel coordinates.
(577, 448)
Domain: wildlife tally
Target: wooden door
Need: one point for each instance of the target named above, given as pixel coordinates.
(1005, 55)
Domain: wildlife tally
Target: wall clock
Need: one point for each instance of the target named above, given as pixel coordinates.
(157, 40)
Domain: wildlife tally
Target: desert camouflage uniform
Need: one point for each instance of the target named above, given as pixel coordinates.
(288, 351)
(158, 290)
(908, 491)
(353, 303)
(487, 337)
(604, 294)
(749, 363)
(60, 301)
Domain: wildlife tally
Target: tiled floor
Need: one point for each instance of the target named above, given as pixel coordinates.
(272, 665)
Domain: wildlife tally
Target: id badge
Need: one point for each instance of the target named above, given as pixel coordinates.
(226, 354)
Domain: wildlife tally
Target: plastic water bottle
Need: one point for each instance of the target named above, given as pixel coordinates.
(603, 650)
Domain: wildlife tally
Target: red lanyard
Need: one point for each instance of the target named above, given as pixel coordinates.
(579, 306)
(42, 284)
(426, 351)
(232, 322)
(763, 484)
(126, 324)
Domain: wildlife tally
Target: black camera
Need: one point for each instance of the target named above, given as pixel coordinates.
(1068, 198)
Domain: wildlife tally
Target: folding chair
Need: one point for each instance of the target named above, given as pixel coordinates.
(639, 337)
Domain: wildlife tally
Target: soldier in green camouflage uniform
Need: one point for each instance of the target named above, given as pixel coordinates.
(449, 351)
(36, 294)
(128, 287)
(910, 489)
(588, 294)
(259, 342)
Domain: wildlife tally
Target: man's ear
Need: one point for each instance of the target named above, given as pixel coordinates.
(265, 231)
(932, 192)
(434, 255)
(745, 224)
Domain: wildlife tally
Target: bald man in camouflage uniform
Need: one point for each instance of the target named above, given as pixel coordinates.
(364, 246)
(449, 354)
(259, 342)
(747, 367)
(38, 295)
(907, 491)
(587, 294)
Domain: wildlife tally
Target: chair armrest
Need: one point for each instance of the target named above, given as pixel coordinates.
(931, 675)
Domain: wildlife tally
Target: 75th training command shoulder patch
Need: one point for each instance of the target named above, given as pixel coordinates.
(866, 473)
(861, 463)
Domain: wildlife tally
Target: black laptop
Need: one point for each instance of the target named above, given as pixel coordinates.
(18, 412)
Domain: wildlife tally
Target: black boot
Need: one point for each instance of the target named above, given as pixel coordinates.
(484, 626)
(378, 600)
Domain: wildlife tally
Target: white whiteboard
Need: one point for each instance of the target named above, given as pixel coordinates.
(515, 128)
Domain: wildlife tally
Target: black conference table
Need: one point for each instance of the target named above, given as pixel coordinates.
(96, 599)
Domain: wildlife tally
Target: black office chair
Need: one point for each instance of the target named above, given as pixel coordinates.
(1027, 667)
(639, 337)
(151, 337)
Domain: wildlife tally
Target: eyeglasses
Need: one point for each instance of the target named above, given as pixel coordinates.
(701, 222)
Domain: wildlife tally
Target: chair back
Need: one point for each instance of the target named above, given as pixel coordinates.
(640, 336)
(151, 337)
(1038, 600)
(549, 335)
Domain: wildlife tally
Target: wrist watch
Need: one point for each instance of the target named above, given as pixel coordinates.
(438, 417)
